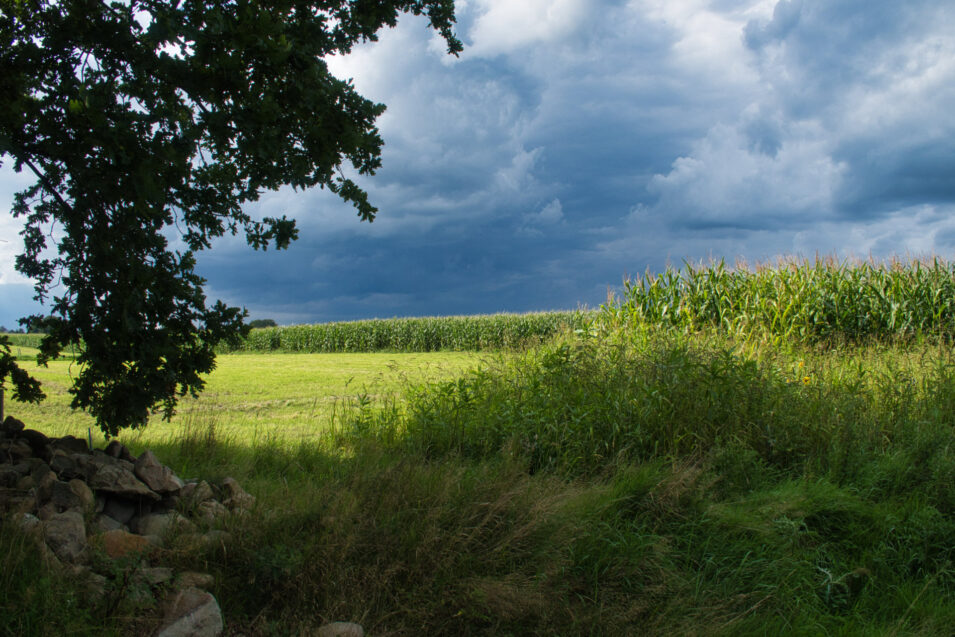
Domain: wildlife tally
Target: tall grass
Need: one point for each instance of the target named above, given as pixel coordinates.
(745, 490)
(621, 480)
(805, 301)
(581, 406)
(37, 599)
(429, 334)
(658, 484)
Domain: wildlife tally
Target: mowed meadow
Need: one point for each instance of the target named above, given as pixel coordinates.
(717, 451)
(286, 382)
(254, 396)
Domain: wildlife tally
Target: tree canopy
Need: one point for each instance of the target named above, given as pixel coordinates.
(147, 125)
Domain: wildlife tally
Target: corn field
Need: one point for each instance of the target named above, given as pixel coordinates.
(25, 340)
(450, 333)
(810, 301)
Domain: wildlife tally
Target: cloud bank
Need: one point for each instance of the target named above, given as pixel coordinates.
(575, 141)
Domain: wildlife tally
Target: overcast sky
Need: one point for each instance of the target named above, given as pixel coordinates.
(576, 141)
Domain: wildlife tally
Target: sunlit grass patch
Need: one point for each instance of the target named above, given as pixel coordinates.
(255, 395)
(580, 405)
(741, 498)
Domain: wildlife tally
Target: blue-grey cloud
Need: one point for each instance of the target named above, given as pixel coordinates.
(575, 141)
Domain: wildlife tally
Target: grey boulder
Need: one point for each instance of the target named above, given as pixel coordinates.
(191, 613)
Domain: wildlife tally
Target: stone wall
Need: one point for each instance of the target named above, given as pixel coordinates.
(80, 502)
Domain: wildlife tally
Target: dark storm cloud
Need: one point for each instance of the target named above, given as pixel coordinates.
(575, 141)
(536, 171)
(487, 269)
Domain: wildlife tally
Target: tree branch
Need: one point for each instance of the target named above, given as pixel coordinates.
(45, 182)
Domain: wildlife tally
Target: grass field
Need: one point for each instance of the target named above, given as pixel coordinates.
(652, 474)
(253, 396)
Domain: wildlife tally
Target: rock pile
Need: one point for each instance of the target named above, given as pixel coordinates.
(79, 501)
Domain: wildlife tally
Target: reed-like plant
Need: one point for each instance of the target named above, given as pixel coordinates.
(425, 334)
(802, 301)
(25, 340)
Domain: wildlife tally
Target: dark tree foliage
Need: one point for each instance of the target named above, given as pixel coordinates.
(148, 124)
(263, 323)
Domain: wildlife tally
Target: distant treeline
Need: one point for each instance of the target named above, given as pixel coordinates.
(429, 334)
